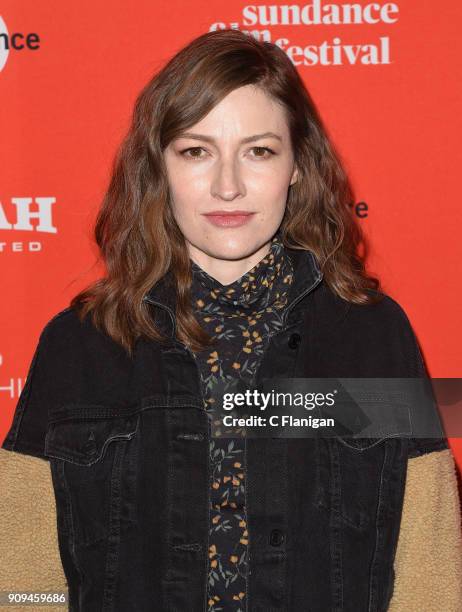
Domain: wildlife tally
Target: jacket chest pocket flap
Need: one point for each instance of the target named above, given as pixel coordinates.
(81, 434)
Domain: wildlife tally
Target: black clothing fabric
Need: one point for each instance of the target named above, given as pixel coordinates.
(128, 441)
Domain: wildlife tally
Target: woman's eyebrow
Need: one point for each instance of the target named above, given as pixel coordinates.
(244, 140)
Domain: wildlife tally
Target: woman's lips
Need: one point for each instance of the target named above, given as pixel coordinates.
(229, 219)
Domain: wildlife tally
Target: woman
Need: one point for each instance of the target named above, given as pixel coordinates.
(231, 255)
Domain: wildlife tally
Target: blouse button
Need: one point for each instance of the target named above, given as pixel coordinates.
(276, 537)
(294, 340)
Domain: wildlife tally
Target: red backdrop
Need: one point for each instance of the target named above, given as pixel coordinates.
(383, 79)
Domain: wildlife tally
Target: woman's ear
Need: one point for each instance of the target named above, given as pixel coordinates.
(294, 176)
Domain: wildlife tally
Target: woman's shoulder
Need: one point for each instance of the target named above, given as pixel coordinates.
(63, 320)
(384, 311)
(395, 333)
(66, 325)
(67, 341)
(379, 335)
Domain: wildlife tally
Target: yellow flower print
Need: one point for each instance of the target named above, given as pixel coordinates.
(239, 597)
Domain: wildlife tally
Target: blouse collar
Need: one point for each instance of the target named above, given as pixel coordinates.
(265, 284)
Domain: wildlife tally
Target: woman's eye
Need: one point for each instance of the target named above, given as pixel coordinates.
(193, 150)
(261, 151)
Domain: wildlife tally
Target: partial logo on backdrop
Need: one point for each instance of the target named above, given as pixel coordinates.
(10, 387)
(27, 214)
(317, 45)
(11, 42)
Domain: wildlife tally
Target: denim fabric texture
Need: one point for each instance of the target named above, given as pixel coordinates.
(128, 442)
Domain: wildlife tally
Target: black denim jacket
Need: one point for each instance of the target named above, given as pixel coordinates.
(127, 440)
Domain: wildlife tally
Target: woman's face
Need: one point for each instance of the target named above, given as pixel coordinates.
(237, 158)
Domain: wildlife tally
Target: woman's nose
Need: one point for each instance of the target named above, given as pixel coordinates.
(227, 182)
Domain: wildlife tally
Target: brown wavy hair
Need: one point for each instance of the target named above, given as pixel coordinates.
(135, 230)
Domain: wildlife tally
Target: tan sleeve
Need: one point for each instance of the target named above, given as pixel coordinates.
(428, 562)
(29, 553)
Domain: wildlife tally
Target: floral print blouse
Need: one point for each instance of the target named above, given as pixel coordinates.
(240, 317)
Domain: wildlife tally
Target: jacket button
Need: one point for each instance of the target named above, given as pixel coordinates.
(276, 537)
(294, 340)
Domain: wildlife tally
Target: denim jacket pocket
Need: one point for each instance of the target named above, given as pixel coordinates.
(93, 455)
(353, 472)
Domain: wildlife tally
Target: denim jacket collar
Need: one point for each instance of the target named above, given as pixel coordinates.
(307, 275)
